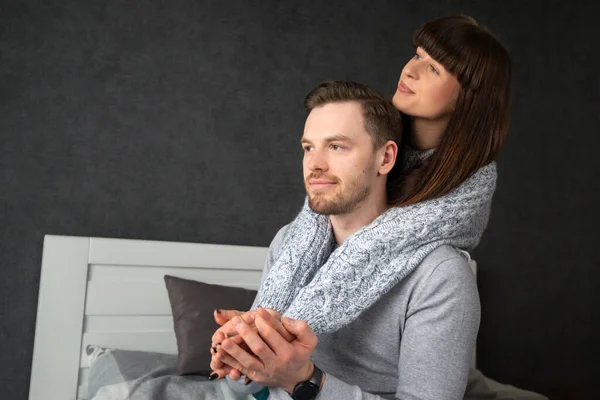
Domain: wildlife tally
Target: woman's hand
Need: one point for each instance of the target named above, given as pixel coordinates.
(227, 330)
(222, 317)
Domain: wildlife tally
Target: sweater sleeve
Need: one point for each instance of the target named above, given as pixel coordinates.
(271, 255)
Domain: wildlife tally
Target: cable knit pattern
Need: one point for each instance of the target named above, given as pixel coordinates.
(329, 290)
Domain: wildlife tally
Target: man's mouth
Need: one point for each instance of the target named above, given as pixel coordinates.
(320, 183)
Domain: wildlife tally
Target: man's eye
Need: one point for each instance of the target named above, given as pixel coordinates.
(336, 147)
(307, 148)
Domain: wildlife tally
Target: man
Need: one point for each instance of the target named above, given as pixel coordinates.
(414, 335)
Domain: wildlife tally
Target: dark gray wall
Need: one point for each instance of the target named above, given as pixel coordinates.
(180, 121)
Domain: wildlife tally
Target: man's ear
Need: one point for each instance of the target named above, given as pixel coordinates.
(388, 154)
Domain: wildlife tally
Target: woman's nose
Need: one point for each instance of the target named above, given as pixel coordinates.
(411, 70)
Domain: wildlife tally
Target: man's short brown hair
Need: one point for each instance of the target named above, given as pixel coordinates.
(382, 120)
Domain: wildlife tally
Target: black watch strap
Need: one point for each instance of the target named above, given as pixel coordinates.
(309, 390)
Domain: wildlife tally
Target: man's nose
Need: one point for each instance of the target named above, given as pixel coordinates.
(317, 161)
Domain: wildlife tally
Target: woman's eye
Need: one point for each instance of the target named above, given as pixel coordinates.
(434, 69)
(417, 56)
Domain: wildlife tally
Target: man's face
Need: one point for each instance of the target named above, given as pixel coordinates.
(339, 160)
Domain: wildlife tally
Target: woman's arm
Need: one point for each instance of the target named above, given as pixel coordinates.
(274, 248)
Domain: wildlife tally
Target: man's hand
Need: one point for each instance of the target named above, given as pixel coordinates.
(228, 330)
(272, 360)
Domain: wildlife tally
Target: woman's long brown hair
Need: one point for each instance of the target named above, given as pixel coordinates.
(479, 124)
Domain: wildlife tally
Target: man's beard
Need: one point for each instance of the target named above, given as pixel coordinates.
(343, 202)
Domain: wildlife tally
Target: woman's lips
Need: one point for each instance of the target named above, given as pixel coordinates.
(402, 87)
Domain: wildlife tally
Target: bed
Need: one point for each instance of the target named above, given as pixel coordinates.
(110, 292)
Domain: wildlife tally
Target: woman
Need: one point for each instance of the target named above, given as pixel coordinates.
(454, 94)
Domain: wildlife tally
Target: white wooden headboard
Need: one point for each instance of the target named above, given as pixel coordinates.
(111, 292)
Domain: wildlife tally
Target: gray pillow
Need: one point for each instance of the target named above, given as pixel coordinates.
(192, 304)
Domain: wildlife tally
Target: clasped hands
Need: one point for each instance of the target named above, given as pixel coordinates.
(259, 344)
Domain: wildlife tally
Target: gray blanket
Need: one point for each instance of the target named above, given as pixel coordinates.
(135, 375)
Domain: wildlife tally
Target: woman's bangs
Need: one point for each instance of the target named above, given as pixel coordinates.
(454, 47)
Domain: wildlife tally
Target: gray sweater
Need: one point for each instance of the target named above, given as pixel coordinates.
(416, 342)
(329, 290)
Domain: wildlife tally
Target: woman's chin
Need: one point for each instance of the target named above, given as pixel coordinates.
(399, 101)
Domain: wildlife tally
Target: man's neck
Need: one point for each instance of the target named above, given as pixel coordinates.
(344, 225)
(426, 134)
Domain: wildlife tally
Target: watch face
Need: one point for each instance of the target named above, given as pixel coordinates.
(305, 391)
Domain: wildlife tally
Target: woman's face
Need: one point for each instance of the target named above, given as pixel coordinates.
(426, 90)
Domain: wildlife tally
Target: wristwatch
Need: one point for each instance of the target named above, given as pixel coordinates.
(308, 390)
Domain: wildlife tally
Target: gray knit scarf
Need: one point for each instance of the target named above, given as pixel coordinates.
(329, 289)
